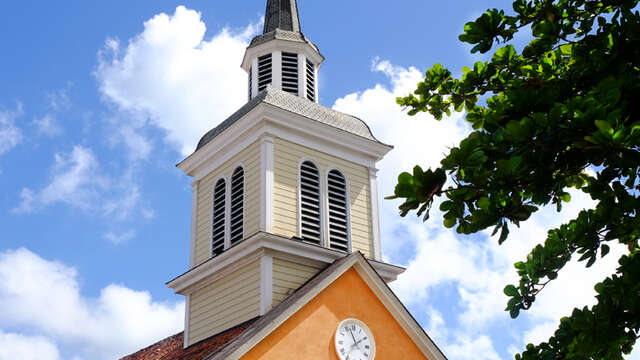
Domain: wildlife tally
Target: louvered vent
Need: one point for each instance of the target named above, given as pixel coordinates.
(250, 81)
(338, 223)
(264, 71)
(310, 202)
(219, 217)
(311, 81)
(237, 205)
(290, 72)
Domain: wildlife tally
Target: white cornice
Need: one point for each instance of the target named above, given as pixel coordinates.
(258, 245)
(281, 45)
(272, 120)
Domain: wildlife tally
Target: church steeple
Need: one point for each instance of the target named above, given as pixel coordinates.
(282, 57)
(283, 15)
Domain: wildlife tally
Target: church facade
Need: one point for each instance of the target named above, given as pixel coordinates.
(285, 248)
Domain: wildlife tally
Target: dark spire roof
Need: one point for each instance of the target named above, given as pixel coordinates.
(283, 15)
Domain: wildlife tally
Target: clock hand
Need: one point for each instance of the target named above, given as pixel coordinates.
(354, 340)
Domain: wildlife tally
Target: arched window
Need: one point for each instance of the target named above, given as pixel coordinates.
(338, 211)
(219, 217)
(310, 224)
(237, 206)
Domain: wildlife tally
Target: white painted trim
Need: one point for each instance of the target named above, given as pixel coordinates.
(375, 217)
(348, 201)
(281, 45)
(276, 70)
(302, 76)
(266, 283)
(254, 74)
(397, 310)
(267, 183)
(316, 83)
(194, 223)
(185, 283)
(187, 306)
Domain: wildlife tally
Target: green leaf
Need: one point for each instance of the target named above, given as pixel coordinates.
(484, 203)
(449, 222)
(511, 290)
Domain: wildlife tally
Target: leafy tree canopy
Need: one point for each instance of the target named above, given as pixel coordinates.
(561, 114)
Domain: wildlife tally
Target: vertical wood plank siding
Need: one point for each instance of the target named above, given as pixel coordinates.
(250, 157)
(286, 163)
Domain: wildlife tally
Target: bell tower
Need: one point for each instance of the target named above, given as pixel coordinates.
(281, 189)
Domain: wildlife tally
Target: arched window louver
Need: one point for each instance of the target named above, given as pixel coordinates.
(311, 81)
(338, 212)
(290, 72)
(310, 224)
(237, 205)
(264, 71)
(250, 81)
(219, 217)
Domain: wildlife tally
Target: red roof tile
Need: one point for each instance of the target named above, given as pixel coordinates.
(171, 348)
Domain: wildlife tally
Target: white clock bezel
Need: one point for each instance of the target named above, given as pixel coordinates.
(372, 350)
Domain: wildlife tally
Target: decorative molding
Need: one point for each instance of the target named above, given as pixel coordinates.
(194, 223)
(302, 76)
(281, 45)
(267, 182)
(266, 283)
(254, 247)
(254, 74)
(375, 217)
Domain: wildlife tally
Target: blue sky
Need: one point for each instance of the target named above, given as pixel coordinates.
(100, 100)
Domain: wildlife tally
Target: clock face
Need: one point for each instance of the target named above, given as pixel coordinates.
(354, 341)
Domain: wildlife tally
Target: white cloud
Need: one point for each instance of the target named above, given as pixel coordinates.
(170, 76)
(480, 348)
(120, 238)
(477, 267)
(47, 125)
(17, 346)
(118, 322)
(75, 181)
(10, 134)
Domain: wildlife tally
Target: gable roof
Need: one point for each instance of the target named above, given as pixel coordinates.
(298, 105)
(280, 313)
(172, 348)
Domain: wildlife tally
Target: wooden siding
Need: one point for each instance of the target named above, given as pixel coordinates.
(225, 303)
(287, 156)
(250, 158)
(288, 277)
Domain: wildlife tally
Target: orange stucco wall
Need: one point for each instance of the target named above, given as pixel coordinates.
(308, 334)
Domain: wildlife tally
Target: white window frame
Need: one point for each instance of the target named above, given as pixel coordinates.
(347, 199)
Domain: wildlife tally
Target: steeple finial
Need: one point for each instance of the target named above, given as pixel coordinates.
(283, 15)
